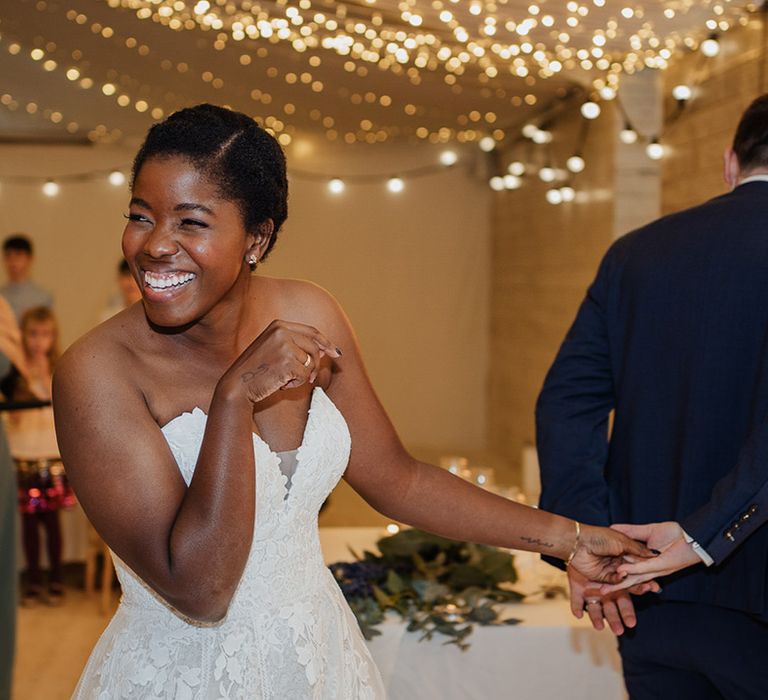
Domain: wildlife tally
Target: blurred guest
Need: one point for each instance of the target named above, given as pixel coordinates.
(127, 294)
(42, 485)
(20, 291)
(10, 350)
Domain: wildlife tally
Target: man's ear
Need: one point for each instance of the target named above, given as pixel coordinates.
(731, 168)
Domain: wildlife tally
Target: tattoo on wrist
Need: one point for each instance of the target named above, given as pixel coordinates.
(246, 377)
(536, 540)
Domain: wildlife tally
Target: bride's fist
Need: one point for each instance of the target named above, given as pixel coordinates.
(284, 356)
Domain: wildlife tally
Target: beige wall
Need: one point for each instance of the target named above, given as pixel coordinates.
(543, 258)
(723, 87)
(411, 270)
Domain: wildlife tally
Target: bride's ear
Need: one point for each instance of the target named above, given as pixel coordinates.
(259, 242)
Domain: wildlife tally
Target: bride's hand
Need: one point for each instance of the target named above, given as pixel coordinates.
(600, 551)
(284, 356)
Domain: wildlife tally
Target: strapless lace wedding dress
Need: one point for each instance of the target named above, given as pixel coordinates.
(288, 634)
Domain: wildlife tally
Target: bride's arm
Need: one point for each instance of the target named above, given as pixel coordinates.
(190, 544)
(430, 498)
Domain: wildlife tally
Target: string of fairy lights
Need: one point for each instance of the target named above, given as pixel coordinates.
(400, 43)
(463, 42)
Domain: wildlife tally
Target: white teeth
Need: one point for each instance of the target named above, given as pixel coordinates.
(156, 280)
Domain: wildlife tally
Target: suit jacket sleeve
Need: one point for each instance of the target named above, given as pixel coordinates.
(739, 501)
(572, 413)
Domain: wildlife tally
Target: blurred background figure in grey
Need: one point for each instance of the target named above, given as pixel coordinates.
(20, 291)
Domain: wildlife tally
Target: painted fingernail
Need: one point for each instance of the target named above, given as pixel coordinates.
(656, 552)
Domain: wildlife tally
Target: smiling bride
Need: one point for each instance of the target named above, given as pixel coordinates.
(203, 427)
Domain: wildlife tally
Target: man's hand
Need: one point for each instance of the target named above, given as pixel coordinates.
(667, 538)
(600, 551)
(616, 608)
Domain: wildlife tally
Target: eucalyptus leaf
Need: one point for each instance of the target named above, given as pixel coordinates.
(382, 598)
(394, 582)
(464, 576)
(484, 614)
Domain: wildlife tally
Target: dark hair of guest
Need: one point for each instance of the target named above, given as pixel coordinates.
(18, 241)
(751, 141)
(245, 162)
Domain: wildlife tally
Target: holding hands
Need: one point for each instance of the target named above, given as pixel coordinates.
(611, 602)
(600, 553)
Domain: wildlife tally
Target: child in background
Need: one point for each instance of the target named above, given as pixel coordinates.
(43, 489)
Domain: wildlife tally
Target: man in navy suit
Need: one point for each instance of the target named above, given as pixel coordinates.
(672, 338)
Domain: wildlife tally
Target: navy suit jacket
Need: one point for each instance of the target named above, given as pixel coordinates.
(673, 337)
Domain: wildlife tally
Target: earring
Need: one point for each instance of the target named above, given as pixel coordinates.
(252, 262)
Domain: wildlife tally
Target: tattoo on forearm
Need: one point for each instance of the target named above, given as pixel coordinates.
(536, 541)
(249, 376)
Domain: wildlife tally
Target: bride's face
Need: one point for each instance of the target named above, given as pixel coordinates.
(186, 245)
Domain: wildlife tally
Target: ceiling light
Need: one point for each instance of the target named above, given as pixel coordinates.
(710, 47)
(575, 164)
(655, 150)
(116, 178)
(448, 158)
(590, 110)
(51, 188)
(487, 144)
(547, 174)
(395, 184)
(554, 196)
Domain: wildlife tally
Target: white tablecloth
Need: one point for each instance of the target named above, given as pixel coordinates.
(549, 655)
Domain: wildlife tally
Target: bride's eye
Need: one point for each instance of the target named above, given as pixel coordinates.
(194, 222)
(131, 216)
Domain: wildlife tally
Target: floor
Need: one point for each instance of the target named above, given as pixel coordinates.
(53, 644)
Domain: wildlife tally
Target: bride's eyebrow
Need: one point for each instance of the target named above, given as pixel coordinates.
(139, 202)
(191, 206)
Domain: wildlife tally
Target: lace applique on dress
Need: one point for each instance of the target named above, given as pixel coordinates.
(288, 634)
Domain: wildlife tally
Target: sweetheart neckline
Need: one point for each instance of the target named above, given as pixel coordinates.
(197, 409)
(277, 461)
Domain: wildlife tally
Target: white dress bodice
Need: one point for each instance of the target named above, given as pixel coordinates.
(288, 633)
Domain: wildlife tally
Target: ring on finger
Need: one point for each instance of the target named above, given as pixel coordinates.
(594, 601)
(308, 361)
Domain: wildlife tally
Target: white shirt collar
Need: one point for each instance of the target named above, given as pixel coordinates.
(754, 178)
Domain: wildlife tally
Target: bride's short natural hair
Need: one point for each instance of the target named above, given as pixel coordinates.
(245, 162)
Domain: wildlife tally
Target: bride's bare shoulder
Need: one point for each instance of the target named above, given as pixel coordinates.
(104, 353)
(303, 301)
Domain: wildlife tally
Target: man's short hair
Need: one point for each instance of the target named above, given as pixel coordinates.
(19, 242)
(751, 141)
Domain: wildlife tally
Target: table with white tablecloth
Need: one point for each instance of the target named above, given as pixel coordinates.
(549, 654)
